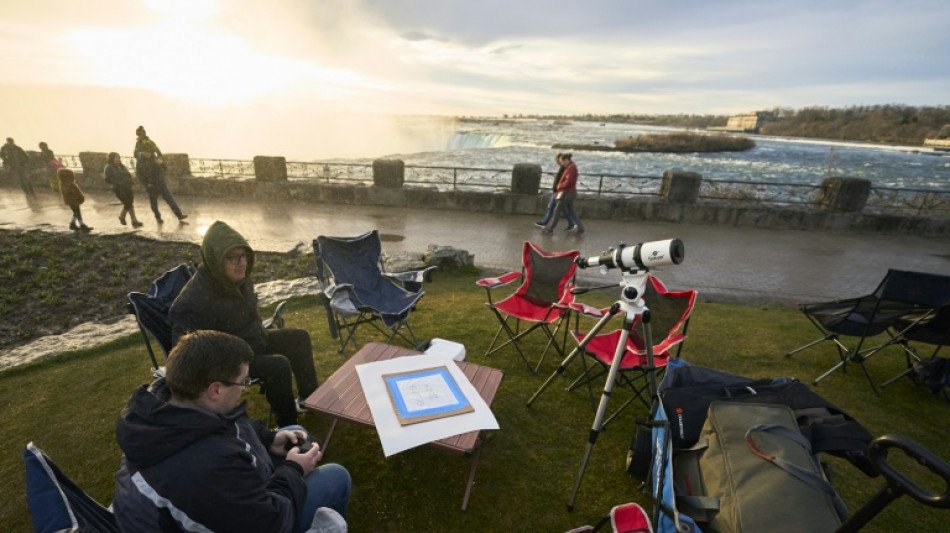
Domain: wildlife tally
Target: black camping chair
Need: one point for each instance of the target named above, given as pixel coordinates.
(56, 503)
(901, 301)
(151, 314)
(356, 291)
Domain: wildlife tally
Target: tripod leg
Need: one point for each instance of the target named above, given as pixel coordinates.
(602, 408)
(614, 309)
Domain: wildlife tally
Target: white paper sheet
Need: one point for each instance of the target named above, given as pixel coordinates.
(395, 437)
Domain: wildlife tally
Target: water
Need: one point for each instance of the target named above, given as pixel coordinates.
(499, 144)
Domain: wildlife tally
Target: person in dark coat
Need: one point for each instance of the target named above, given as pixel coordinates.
(17, 162)
(72, 197)
(120, 179)
(150, 170)
(194, 461)
(221, 297)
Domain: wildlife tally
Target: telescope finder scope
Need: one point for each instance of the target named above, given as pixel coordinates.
(642, 256)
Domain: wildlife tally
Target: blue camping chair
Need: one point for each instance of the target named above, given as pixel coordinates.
(356, 291)
(56, 503)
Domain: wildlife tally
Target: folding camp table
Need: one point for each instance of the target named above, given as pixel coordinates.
(341, 396)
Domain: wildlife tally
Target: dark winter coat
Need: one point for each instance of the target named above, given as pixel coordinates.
(187, 469)
(120, 179)
(210, 301)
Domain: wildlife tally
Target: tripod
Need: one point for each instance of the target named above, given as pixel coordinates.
(631, 304)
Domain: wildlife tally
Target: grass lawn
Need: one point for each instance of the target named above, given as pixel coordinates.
(68, 406)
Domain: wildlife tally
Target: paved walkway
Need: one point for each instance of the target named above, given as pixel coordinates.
(726, 264)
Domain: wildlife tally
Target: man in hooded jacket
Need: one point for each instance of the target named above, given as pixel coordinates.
(193, 460)
(221, 297)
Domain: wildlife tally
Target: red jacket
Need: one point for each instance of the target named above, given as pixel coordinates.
(568, 182)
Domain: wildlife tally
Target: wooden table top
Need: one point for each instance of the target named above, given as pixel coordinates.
(341, 396)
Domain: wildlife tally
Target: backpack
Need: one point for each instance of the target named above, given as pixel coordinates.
(934, 374)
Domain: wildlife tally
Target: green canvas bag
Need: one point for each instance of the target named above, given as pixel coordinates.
(752, 471)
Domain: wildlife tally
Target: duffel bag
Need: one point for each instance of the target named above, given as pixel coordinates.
(752, 471)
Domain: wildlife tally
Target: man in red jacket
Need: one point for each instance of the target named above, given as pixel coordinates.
(566, 194)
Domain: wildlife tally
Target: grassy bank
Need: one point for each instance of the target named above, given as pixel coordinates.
(55, 281)
(68, 406)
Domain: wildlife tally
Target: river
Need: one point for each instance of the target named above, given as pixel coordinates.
(499, 144)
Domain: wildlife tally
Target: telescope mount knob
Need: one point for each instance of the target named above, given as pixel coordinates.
(630, 293)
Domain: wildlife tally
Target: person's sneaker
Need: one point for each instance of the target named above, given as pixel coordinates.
(84, 227)
(182, 217)
(539, 225)
(300, 407)
(137, 224)
(159, 220)
(73, 226)
(571, 229)
(121, 221)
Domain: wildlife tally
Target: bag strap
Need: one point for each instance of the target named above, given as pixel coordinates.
(808, 477)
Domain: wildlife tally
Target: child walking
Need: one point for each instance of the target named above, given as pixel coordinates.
(73, 197)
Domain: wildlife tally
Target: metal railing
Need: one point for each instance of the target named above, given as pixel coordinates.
(914, 202)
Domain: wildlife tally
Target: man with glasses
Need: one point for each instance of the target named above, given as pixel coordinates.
(221, 297)
(194, 461)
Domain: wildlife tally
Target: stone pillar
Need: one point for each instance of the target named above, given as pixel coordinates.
(843, 194)
(389, 173)
(93, 164)
(680, 187)
(176, 165)
(270, 169)
(525, 178)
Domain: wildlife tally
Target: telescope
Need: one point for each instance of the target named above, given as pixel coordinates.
(641, 256)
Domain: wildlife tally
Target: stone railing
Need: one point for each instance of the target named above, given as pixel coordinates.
(836, 203)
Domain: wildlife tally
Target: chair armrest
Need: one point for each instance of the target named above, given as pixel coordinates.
(587, 310)
(277, 319)
(411, 280)
(504, 279)
(410, 276)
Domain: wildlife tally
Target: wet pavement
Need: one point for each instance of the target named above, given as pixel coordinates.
(725, 264)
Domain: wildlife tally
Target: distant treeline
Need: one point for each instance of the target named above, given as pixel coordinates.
(891, 123)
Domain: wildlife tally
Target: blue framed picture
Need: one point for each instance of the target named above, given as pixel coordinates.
(427, 394)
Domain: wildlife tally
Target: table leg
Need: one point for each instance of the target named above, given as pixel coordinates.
(471, 475)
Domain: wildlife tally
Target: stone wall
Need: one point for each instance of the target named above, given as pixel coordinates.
(840, 205)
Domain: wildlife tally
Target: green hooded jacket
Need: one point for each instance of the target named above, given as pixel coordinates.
(211, 301)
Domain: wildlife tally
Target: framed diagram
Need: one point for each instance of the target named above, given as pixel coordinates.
(426, 394)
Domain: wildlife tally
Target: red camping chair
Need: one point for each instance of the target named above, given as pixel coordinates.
(669, 320)
(542, 299)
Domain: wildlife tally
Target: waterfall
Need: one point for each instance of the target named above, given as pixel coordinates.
(464, 140)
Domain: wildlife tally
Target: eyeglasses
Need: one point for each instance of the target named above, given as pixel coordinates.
(243, 384)
(235, 259)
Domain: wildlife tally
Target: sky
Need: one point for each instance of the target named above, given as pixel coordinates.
(312, 79)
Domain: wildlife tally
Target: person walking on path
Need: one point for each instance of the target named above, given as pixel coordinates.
(194, 461)
(151, 172)
(73, 197)
(50, 165)
(566, 194)
(221, 297)
(16, 162)
(553, 202)
(120, 179)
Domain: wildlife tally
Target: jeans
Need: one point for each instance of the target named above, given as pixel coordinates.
(550, 212)
(153, 195)
(328, 485)
(565, 206)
